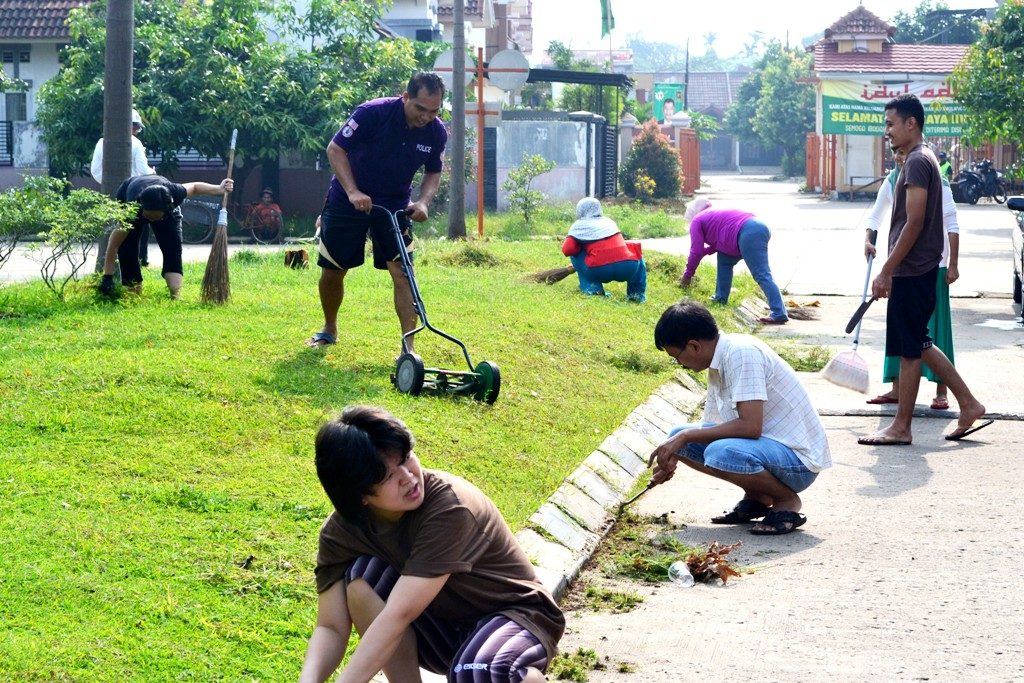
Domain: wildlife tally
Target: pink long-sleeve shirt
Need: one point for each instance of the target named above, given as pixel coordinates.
(714, 230)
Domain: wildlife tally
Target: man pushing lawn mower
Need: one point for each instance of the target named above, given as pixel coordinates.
(374, 157)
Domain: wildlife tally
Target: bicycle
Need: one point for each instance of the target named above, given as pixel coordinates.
(199, 220)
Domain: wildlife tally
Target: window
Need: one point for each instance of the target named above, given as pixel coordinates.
(16, 104)
(24, 54)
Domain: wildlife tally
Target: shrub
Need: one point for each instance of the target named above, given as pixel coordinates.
(653, 156)
(644, 186)
(69, 222)
(521, 199)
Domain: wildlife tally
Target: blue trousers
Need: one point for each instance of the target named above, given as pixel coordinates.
(753, 244)
(592, 280)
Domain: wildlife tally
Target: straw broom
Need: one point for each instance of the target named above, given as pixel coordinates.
(848, 369)
(216, 282)
(552, 275)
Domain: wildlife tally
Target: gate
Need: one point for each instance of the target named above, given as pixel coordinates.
(6, 143)
(607, 154)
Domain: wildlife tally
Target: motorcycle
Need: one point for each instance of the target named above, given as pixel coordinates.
(981, 181)
(994, 186)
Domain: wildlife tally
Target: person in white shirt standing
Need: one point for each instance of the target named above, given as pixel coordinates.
(759, 430)
(140, 166)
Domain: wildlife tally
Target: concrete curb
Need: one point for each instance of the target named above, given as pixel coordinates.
(564, 533)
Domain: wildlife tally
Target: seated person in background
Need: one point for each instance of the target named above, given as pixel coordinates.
(266, 215)
(422, 564)
(599, 253)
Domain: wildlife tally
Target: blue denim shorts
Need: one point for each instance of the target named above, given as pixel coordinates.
(749, 456)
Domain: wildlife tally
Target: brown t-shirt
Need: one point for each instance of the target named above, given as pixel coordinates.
(921, 169)
(457, 531)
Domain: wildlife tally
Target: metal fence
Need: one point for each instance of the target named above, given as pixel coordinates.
(6, 143)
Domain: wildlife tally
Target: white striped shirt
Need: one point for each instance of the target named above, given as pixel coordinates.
(744, 369)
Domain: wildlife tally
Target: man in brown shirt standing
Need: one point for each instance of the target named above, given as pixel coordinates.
(908, 276)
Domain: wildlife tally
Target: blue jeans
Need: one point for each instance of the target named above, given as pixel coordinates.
(633, 273)
(753, 244)
(749, 456)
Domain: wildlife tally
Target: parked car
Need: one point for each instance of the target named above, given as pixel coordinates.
(1017, 204)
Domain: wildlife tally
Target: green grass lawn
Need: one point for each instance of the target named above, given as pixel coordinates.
(158, 501)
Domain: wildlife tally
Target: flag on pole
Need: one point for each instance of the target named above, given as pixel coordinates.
(607, 18)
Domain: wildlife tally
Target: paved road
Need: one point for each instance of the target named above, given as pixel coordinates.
(817, 245)
(909, 566)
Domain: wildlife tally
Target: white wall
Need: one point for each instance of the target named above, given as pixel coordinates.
(42, 67)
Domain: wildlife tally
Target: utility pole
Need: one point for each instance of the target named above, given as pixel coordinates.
(457, 142)
(117, 101)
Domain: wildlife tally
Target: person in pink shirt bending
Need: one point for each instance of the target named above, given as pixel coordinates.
(733, 235)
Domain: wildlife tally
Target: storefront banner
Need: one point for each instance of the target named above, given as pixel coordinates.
(858, 107)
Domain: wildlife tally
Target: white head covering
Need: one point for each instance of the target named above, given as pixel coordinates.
(136, 119)
(696, 206)
(591, 224)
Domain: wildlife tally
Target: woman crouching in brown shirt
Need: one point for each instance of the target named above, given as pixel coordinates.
(422, 564)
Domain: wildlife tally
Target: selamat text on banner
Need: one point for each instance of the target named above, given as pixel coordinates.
(858, 107)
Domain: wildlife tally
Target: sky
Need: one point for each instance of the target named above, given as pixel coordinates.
(578, 22)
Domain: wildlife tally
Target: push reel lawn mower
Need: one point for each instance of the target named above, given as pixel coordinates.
(411, 376)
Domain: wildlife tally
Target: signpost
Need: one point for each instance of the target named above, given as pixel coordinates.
(507, 70)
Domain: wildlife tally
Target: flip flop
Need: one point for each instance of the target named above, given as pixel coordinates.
(881, 441)
(939, 404)
(953, 436)
(745, 511)
(780, 522)
(882, 400)
(320, 339)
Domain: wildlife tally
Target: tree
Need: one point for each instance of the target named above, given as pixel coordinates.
(989, 82)
(521, 199)
(739, 117)
(201, 69)
(933, 22)
(603, 100)
(457, 191)
(773, 105)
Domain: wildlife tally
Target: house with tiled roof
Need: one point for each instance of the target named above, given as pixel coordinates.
(857, 70)
(711, 93)
(31, 35)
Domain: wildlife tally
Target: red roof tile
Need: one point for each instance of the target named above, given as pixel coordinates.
(860, 21)
(36, 19)
(894, 58)
(472, 8)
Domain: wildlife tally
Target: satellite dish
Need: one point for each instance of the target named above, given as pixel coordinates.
(443, 68)
(508, 70)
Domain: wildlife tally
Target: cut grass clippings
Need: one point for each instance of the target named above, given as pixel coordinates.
(601, 599)
(158, 498)
(642, 548)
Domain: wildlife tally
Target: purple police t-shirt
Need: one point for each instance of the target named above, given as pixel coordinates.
(385, 153)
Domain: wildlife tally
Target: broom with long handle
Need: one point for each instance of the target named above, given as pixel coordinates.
(848, 369)
(216, 282)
